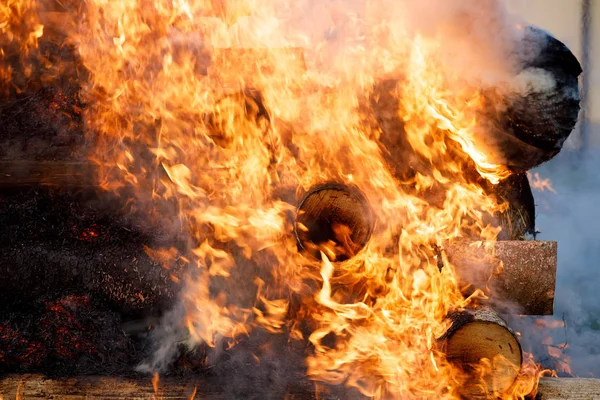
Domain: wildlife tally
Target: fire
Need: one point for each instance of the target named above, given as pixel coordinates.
(540, 184)
(220, 114)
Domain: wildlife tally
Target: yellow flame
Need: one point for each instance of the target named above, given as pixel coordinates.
(219, 114)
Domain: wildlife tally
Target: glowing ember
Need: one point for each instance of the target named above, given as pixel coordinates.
(223, 117)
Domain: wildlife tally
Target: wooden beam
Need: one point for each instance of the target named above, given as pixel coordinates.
(525, 284)
(36, 386)
(15, 173)
(520, 277)
(30, 386)
(568, 388)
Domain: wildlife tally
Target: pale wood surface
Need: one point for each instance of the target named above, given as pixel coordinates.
(569, 388)
(33, 386)
(480, 333)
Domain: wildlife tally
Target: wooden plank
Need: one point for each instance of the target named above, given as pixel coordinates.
(521, 277)
(569, 388)
(35, 386)
(14, 173)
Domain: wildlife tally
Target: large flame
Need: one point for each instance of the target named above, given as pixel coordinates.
(219, 113)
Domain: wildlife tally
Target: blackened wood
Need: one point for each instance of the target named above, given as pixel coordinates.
(63, 242)
(519, 219)
(521, 275)
(534, 127)
(478, 334)
(15, 173)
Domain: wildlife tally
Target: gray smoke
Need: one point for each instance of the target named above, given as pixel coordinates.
(571, 217)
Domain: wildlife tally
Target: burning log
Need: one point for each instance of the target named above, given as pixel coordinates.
(485, 347)
(61, 243)
(541, 115)
(335, 219)
(521, 274)
(519, 219)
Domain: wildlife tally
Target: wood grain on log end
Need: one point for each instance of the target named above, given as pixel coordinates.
(335, 219)
(481, 344)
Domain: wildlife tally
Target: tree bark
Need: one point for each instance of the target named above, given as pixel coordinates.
(520, 276)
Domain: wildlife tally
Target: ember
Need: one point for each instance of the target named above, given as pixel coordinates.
(291, 190)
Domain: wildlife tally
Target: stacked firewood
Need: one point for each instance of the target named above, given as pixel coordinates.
(529, 130)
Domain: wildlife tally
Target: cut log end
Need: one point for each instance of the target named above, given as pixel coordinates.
(482, 345)
(333, 219)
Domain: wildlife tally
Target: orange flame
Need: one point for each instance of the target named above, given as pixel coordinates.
(540, 184)
(225, 117)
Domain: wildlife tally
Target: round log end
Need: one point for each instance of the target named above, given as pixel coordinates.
(486, 350)
(541, 114)
(334, 219)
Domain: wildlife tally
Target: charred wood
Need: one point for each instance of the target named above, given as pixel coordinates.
(335, 219)
(541, 115)
(56, 242)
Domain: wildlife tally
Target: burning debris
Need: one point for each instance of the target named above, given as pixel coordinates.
(296, 193)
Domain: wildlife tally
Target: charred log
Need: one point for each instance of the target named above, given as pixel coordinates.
(64, 243)
(481, 344)
(541, 115)
(335, 219)
(519, 219)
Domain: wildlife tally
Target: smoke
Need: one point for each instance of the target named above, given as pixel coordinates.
(570, 216)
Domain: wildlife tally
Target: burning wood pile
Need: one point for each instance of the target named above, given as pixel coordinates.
(342, 186)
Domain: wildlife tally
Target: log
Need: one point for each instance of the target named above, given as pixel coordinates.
(335, 219)
(98, 249)
(54, 242)
(35, 386)
(542, 110)
(520, 277)
(15, 173)
(568, 388)
(478, 334)
(519, 219)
